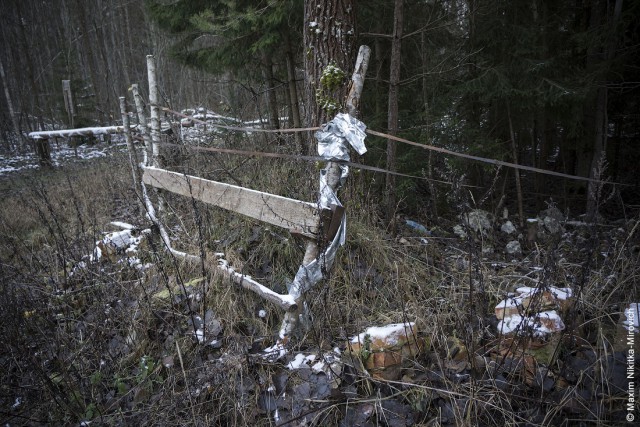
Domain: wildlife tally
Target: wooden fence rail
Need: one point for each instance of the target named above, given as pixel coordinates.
(294, 215)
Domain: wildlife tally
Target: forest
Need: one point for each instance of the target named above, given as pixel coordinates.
(468, 258)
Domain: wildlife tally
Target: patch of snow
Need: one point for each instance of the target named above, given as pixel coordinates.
(262, 314)
(390, 332)
(275, 352)
(299, 360)
(511, 323)
(123, 225)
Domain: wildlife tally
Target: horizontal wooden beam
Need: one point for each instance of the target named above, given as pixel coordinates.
(297, 216)
(77, 132)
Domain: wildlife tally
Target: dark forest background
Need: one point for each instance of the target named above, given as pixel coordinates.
(548, 84)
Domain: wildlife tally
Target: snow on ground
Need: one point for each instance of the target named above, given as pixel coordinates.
(61, 154)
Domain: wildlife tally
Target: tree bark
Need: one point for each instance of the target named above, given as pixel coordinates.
(601, 121)
(12, 113)
(88, 52)
(154, 108)
(394, 80)
(294, 104)
(329, 38)
(516, 172)
(272, 101)
(328, 29)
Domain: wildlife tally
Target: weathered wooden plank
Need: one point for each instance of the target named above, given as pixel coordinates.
(295, 215)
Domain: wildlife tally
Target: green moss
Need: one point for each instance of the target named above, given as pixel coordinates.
(331, 80)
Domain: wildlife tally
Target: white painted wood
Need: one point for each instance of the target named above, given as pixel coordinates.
(285, 302)
(142, 123)
(76, 132)
(154, 109)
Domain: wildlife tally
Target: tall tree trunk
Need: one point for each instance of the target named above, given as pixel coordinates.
(272, 101)
(88, 51)
(516, 172)
(427, 124)
(329, 38)
(294, 104)
(394, 80)
(601, 118)
(12, 113)
(333, 43)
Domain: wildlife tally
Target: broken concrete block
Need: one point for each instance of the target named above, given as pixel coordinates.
(384, 349)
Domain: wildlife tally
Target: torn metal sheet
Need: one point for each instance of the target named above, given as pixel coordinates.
(334, 136)
(333, 144)
(309, 275)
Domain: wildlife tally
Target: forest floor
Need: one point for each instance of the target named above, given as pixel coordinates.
(138, 337)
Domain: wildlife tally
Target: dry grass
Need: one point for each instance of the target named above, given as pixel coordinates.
(92, 343)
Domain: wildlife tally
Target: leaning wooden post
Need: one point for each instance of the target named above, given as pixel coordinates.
(332, 175)
(151, 211)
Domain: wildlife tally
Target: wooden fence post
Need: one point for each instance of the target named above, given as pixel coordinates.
(68, 101)
(154, 109)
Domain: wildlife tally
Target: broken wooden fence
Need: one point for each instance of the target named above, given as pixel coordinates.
(316, 222)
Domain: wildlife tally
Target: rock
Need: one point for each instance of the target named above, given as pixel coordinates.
(552, 212)
(478, 220)
(552, 225)
(513, 248)
(459, 231)
(508, 228)
(120, 243)
(552, 220)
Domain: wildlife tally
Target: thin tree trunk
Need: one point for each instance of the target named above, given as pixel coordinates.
(154, 108)
(427, 125)
(12, 113)
(514, 154)
(294, 104)
(332, 44)
(394, 80)
(272, 101)
(88, 52)
(601, 120)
